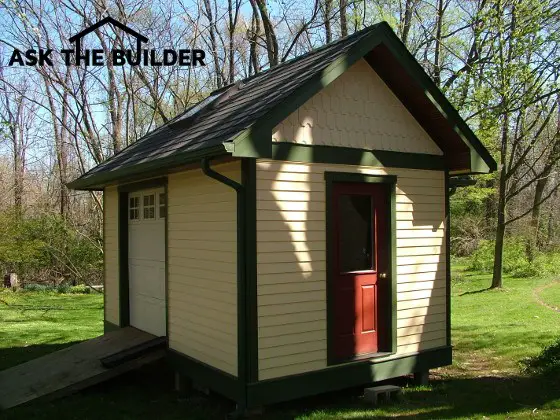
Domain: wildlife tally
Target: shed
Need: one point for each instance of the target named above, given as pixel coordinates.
(289, 234)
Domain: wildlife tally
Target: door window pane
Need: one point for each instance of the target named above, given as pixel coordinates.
(355, 238)
(150, 206)
(134, 208)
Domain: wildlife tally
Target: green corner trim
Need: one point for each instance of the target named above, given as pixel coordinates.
(124, 303)
(447, 259)
(390, 181)
(349, 156)
(219, 381)
(105, 257)
(109, 326)
(344, 376)
(166, 239)
(251, 330)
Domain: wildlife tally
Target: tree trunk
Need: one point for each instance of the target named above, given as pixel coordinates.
(407, 20)
(343, 22)
(270, 35)
(499, 248)
(437, 52)
(213, 42)
(327, 20)
(501, 219)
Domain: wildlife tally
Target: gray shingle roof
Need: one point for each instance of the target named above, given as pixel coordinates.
(234, 110)
(245, 113)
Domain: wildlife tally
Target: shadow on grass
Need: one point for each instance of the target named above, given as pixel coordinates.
(443, 399)
(142, 394)
(148, 392)
(475, 292)
(13, 356)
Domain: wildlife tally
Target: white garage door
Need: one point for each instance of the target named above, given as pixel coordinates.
(146, 260)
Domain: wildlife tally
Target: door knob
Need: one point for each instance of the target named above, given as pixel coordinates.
(382, 275)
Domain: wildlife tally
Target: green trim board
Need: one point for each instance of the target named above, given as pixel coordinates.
(391, 181)
(109, 326)
(217, 380)
(105, 261)
(447, 258)
(166, 244)
(344, 376)
(294, 152)
(124, 302)
(249, 171)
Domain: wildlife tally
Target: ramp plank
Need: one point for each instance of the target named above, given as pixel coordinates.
(73, 368)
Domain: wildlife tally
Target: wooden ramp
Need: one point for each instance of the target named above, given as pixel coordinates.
(79, 366)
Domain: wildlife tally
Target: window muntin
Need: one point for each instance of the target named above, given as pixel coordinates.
(134, 208)
(149, 210)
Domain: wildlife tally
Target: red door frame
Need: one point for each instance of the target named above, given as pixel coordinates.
(383, 189)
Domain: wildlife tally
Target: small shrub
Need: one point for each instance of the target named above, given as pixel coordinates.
(80, 289)
(515, 261)
(546, 363)
(514, 258)
(63, 288)
(34, 287)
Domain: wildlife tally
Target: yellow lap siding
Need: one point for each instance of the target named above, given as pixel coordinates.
(202, 267)
(291, 263)
(111, 254)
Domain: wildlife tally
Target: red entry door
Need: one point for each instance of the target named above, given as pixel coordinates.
(360, 250)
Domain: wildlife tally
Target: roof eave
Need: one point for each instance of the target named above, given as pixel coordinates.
(96, 182)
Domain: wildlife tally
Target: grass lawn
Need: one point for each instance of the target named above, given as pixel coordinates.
(551, 295)
(35, 323)
(492, 331)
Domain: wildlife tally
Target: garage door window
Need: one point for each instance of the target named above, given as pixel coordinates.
(134, 208)
(150, 206)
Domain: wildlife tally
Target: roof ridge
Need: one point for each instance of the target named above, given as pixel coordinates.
(300, 57)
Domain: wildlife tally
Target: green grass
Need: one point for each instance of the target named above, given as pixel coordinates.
(35, 323)
(551, 295)
(492, 331)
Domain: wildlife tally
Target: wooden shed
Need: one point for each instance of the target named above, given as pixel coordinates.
(289, 234)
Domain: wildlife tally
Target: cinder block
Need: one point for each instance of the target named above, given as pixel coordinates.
(371, 394)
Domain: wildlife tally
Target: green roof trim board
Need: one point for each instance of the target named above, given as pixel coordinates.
(239, 119)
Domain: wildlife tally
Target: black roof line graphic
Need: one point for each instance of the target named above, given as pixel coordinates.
(104, 21)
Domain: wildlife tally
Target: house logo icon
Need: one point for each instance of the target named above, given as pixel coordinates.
(137, 56)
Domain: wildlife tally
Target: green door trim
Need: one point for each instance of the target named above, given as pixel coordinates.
(124, 275)
(391, 181)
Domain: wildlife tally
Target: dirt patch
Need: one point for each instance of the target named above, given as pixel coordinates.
(538, 290)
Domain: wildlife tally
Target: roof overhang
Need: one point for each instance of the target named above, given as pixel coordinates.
(463, 153)
(96, 182)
